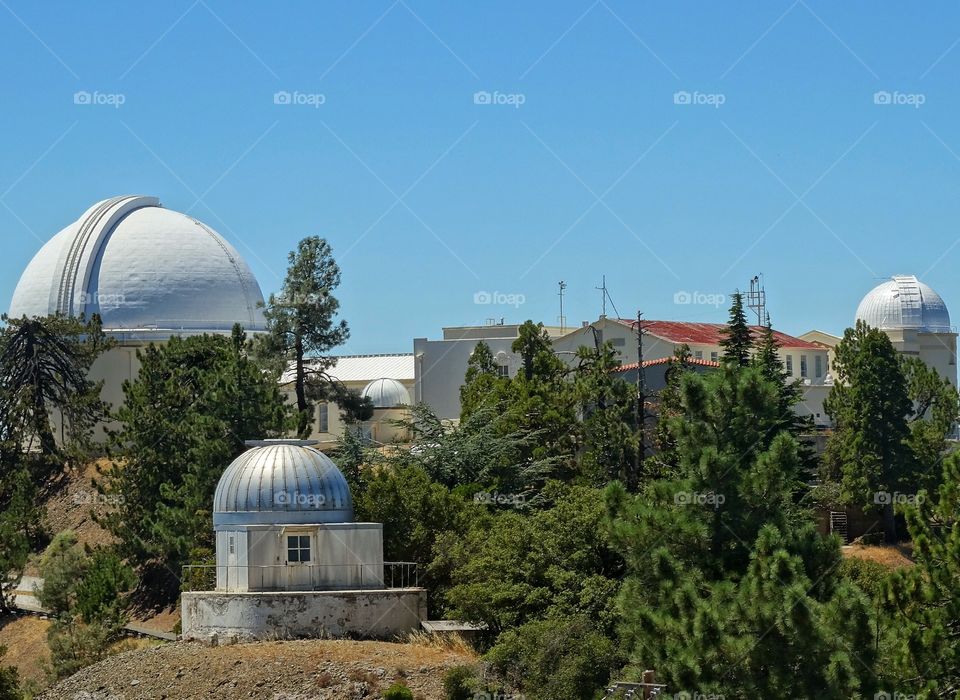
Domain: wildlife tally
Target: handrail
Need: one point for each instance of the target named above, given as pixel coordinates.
(299, 577)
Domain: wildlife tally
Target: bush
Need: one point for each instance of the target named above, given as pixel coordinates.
(9, 681)
(458, 683)
(555, 658)
(867, 575)
(398, 691)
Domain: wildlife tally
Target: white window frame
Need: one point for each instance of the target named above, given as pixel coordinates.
(300, 548)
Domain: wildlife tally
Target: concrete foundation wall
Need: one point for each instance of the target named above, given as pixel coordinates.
(381, 614)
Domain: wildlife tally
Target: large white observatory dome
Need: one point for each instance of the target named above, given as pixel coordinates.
(904, 302)
(144, 269)
(282, 482)
(386, 393)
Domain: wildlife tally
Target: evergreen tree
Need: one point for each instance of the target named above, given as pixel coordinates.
(481, 381)
(185, 418)
(729, 588)
(608, 443)
(303, 330)
(924, 598)
(868, 452)
(668, 406)
(936, 409)
(737, 339)
(44, 368)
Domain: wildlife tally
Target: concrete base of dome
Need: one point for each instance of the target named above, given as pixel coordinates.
(218, 617)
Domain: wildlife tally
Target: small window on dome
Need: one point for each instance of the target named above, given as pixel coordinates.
(298, 549)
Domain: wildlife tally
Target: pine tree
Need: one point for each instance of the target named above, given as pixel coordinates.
(923, 599)
(868, 452)
(185, 418)
(303, 330)
(729, 588)
(481, 382)
(737, 339)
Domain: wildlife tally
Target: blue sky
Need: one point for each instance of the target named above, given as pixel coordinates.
(782, 162)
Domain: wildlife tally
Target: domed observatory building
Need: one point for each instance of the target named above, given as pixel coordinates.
(916, 320)
(149, 272)
(290, 560)
(391, 403)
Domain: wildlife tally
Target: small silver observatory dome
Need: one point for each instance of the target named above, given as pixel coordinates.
(386, 393)
(904, 302)
(282, 482)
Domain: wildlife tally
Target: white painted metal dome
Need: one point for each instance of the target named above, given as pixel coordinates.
(386, 393)
(145, 270)
(282, 482)
(904, 302)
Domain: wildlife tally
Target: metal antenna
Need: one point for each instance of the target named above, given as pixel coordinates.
(603, 289)
(563, 285)
(757, 298)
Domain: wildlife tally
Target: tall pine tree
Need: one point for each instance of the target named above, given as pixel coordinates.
(737, 340)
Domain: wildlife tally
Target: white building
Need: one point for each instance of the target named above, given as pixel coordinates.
(441, 364)
(290, 560)
(916, 320)
(149, 272)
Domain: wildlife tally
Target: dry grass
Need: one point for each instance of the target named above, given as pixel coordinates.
(451, 642)
(26, 640)
(888, 556)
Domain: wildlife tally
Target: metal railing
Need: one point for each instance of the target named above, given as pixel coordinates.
(299, 577)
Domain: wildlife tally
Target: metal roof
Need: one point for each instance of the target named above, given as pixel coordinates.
(904, 302)
(282, 483)
(709, 333)
(366, 368)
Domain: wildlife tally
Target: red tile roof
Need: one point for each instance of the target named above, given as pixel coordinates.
(665, 360)
(709, 333)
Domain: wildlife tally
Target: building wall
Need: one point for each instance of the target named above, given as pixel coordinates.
(216, 617)
(342, 556)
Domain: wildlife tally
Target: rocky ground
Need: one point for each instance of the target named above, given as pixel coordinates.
(290, 670)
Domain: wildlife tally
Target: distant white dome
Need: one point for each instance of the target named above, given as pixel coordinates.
(386, 393)
(282, 482)
(143, 268)
(904, 302)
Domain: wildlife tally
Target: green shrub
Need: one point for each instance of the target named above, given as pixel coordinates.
(398, 691)
(458, 683)
(555, 658)
(9, 681)
(867, 575)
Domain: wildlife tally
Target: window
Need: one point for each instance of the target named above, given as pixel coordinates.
(818, 366)
(232, 548)
(713, 356)
(323, 417)
(698, 354)
(803, 365)
(298, 548)
(503, 371)
(618, 342)
(790, 365)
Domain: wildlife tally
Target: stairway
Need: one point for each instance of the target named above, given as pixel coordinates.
(838, 525)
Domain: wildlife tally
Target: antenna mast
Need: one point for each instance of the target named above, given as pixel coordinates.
(603, 290)
(757, 299)
(563, 285)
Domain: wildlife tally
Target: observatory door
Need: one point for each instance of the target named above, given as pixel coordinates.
(300, 566)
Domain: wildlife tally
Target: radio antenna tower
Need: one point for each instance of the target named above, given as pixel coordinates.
(757, 300)
(606, 296)
(563, 285)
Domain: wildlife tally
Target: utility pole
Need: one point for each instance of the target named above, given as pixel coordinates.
(640, 408)
(563, 285)
(603, 289)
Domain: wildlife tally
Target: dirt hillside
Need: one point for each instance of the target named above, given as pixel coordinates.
(292, 670)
